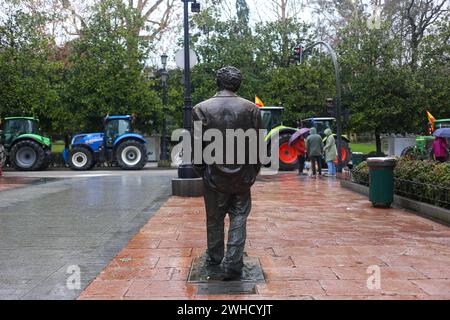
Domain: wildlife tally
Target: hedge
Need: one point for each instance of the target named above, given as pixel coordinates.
(426, 181)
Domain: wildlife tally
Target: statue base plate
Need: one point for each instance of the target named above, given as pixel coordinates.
(200, 272)
(210, 279)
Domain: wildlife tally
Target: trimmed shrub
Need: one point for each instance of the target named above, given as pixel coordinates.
(425, 181)
(360, 174)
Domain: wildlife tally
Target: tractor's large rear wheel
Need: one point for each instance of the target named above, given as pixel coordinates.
(131, 155)
(346, 154)
(81, 158)
(27, 155)
(287, 154)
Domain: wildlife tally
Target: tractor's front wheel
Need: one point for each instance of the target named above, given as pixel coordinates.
(47, 160)
(81, 158)
(2, 156)
(131, 155)
(409, 153)
(287, 154)
(27, 155)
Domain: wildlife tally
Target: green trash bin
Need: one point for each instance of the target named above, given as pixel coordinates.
(381, 181)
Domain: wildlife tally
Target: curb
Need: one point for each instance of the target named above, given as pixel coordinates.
(426, 210)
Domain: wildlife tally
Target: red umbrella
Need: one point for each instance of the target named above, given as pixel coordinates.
(298, 134)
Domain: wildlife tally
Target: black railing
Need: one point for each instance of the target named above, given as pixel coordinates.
(424, 192)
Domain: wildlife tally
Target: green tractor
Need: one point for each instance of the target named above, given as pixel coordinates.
(26, 148)
(271, 118)
(423, 149)
(272, 121)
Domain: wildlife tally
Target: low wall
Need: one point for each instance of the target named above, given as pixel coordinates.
(423, 209)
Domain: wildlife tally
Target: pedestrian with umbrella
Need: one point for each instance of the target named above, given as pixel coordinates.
(440, 144)
(297, 141)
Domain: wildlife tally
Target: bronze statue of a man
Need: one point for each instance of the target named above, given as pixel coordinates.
(227, 186)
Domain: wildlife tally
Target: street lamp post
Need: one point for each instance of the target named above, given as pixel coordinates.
(164, 76)
(185, 170)
(338, 95)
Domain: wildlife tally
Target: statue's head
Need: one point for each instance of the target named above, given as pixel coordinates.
(229, 78)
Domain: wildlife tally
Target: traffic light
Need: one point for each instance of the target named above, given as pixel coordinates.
(298, 54)
(330, 107)
(195, 6)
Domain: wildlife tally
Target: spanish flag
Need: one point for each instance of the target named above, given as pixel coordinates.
(431, 120)
(258, 102)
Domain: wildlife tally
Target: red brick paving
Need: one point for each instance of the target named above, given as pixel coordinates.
(315, 240)
(7, 183)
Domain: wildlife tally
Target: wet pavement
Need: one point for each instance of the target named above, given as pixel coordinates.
(314, 240)
(49, 227)
(12, 182)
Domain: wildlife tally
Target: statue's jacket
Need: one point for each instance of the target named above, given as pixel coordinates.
(225, 111)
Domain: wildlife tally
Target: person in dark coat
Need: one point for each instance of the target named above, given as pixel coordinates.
(299, 146)
(314, 147)
(227, 186)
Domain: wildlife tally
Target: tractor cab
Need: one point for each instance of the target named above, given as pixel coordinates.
(17, 126)
(118, 144)
(321, 124)
(26, 148)
(116, 126)
(271, 117)
(442, 123)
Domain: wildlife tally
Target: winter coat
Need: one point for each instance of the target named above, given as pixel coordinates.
(225, 111)
(299, 146)
(440, 147)
(314, 143)
(330, 147)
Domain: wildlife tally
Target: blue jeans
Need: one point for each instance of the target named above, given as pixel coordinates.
(331, 168)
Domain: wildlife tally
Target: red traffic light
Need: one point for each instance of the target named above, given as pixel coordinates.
(298, 52)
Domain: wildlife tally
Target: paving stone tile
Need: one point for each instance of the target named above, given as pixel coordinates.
(106, 288)
(434, 286)
(393, 273)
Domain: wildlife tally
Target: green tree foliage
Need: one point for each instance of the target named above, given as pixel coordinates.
(105, 73)
(264, 57)
(376, 90)
(432, 78)
(385, 96)
(29, 75)
(71, 88)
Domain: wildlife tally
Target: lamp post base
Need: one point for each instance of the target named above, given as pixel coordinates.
(187, 187)
(186, 171)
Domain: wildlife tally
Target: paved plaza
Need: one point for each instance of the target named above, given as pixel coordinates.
(49, 225)
(314, 240)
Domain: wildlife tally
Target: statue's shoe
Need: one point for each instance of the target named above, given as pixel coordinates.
(231, 275)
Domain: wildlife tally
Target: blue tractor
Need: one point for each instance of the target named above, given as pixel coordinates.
(118, 144)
